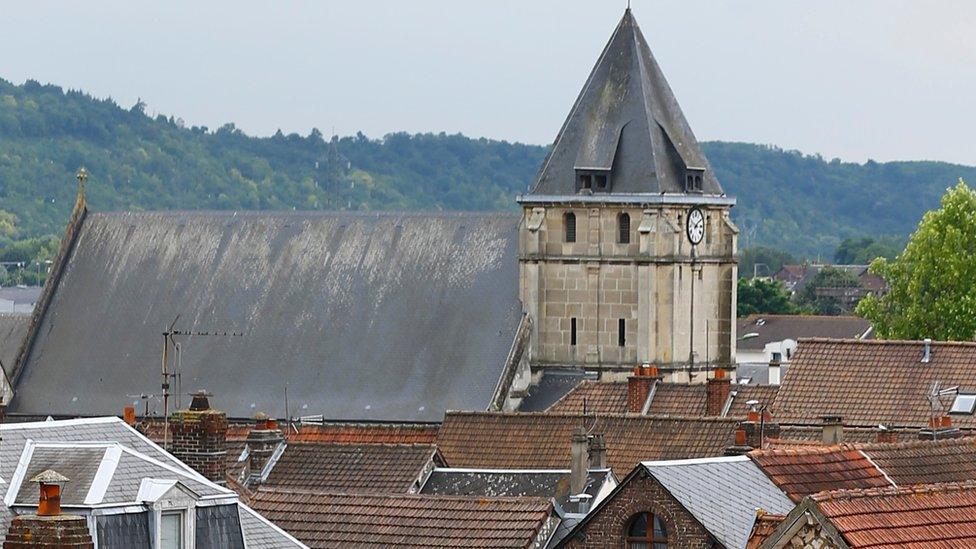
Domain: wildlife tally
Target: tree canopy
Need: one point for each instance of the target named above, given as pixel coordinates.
(933, 281)
(861, 251)
(760, 296)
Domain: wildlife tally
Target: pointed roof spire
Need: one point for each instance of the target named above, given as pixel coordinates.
(626, 123)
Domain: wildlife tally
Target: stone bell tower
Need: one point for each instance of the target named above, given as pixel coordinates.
(627, 253)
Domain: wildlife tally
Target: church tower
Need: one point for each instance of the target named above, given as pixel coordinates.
(627, 253)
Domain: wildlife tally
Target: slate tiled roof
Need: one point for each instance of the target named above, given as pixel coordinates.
(261, 532)
(806, 471)
(351, 468)
(546, 483)
(542, 440)
(333, 520)
(13, 329)
(723, 494)
(552, 386)
(872, 382)
(772, 328)
(928, 516)
(438, 289)
(670, 399)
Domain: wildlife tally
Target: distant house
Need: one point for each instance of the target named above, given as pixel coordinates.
(928, 515)
(130, 491)
(697, 503)
(771, 339)
(796, 277)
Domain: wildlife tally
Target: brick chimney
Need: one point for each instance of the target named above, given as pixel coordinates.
(754, 432)
(940, 427)
(639, 387)
(199, 438)
(718, 389)
(262, 441)
(579, 461)
(885, 434)
(833, 429)
(598, 452)
(49, 528)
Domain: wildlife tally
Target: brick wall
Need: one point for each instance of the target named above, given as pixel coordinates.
(608, 528)
(62, 531)
(199, 439)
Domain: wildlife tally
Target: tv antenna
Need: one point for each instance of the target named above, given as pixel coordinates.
(169, 340)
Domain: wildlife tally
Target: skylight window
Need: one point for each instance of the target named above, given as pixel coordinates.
(964, 404)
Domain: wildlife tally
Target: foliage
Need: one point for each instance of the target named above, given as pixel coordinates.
(933, 282)
(26, 261)
(137, 161)
(811, 298)
(762, 261)
(861, 251)
(759, 296)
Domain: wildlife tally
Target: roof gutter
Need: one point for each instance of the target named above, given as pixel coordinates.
(634, 199)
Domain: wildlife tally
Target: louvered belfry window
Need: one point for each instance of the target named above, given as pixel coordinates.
(570, 221)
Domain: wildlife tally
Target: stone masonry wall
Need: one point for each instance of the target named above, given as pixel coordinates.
(608, 528)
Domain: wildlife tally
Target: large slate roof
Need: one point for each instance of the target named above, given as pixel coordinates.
(360, 315)
(13, 328)
(626, 118)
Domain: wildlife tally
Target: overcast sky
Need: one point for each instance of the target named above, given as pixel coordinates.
(856, 79)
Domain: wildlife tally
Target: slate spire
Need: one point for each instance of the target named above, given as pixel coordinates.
(626, 133)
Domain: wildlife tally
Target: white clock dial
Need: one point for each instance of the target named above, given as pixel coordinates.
(696, 226)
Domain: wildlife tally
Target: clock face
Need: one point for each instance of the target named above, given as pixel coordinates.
(696, 226)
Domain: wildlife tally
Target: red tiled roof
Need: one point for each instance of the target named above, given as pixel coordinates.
(872, 382)
(812, 435)
(764, 526)
(366, 433)
(928, 516)
(350, 468)
(600, 398)
(925, 462)
(801, 472)
(670, 399)
(334, 520)
(542, 440)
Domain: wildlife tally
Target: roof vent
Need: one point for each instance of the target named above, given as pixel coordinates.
(927, 351)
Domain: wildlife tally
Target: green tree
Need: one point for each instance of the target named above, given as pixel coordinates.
(762, 261)
(760, 296)
(812, 297)
(861, 251)
(933, 282)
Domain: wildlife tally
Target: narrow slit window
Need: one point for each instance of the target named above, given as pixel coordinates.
(621, 332)
(572, 331)
(570, 222)
(623, 223)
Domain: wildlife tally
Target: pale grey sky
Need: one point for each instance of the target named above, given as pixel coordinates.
(858, 79)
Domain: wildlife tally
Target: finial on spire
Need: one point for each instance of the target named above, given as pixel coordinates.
(82, 176)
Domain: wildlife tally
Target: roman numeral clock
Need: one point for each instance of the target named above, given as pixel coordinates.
(695, 228)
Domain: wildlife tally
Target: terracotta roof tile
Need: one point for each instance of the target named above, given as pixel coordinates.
(670, 399)
(366, 433)
(928, 516)
(600, 398)
(801, 472)
(332, 520)
(542, 440)
(350, 468)
(765, 524)
(872, 382)
(925, 462)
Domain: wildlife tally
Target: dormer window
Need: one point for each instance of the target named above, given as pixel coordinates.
(694, 179)
(592, 180)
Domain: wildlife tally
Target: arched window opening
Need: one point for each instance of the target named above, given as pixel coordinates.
(570, 222)
(623, 226)
(647, 531)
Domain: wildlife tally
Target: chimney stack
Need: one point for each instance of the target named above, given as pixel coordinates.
(199, 438)
(885, 434)
(717, 390)
(775, 368)
(578, 461)
(639, 387)
(940, 427)
(833, 429)
(598, 452)
(753, 433)
(49, 528)
(927, 350)
(262, 442)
